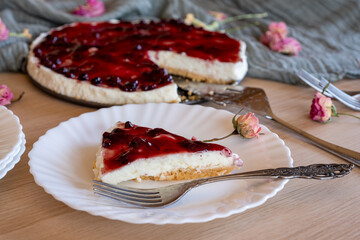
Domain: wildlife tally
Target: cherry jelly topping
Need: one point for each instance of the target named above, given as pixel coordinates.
(130, 142)
(115, 54)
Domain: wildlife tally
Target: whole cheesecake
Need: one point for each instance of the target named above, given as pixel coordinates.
(121, 62)
(132, 152)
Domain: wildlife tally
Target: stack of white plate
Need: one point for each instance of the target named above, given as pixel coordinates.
(12, 140)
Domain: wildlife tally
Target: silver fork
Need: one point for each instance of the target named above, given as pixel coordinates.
(164, 196)
(352, 102)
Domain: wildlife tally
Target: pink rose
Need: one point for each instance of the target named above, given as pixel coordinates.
(276, 39)
(266, 38)
(321, 108)
(5, 95)
(248, 125)
(245, 125)
(4, 32)
(278, 28)
(276, 43)
(276, 32)
(290, 46)
(92, 8)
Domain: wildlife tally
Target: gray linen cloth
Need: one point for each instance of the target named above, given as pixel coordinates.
(328, 30)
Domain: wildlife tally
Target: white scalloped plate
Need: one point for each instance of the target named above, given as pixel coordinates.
(5, 162)
(61, 162)
(14, 159)
(10, 136)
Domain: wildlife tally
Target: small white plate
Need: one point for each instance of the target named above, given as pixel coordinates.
(4, 162)
(10, 135)
(14, 159)
(61, 162)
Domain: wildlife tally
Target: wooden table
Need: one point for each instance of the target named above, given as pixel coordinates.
(303, 209)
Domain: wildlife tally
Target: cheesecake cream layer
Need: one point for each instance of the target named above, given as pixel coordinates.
(168, 167)
(202, 70)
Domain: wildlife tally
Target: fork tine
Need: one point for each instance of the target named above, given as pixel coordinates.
(309, 79)
(126, 189)
(126, 194)
(312, 81)
(342, 96)
(127, 197)
(144, 198)
(331, 90)
(138, 197)
(133, 202)
(339, 92)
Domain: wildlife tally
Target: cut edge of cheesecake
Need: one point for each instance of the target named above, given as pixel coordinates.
(174, 166)
(168, 167)
(202, 70)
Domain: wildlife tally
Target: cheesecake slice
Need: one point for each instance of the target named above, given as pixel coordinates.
(131, 152)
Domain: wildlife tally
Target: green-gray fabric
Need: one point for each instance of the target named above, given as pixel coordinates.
(328, 30)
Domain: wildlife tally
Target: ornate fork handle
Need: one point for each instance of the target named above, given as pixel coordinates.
(314, 171)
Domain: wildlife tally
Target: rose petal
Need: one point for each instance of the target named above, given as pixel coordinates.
(92, 8)
(275, 38)
(320, 109)
(290, 46)
(5, 95)
(248, 125)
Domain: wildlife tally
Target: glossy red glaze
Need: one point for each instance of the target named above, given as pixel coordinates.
(129, 142)
(115, 54)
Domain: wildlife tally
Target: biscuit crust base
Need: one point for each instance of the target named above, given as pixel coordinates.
(188, 174)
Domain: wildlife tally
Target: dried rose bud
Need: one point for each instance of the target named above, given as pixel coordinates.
(5, 95)
(276, 39)
(290, 46)
(92, 8)
(247, 125)
(279, 28)
(4, 32)
(321, 108)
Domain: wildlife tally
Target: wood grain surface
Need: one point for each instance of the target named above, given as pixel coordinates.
(304, 209)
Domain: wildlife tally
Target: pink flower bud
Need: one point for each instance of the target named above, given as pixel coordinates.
(5, 95)
(290, 46)
(92, 8)
(4, 32)
(276, 43)
(275, 38)
(266, 38)
(278, 28)
(321, 108)
(248, 125)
